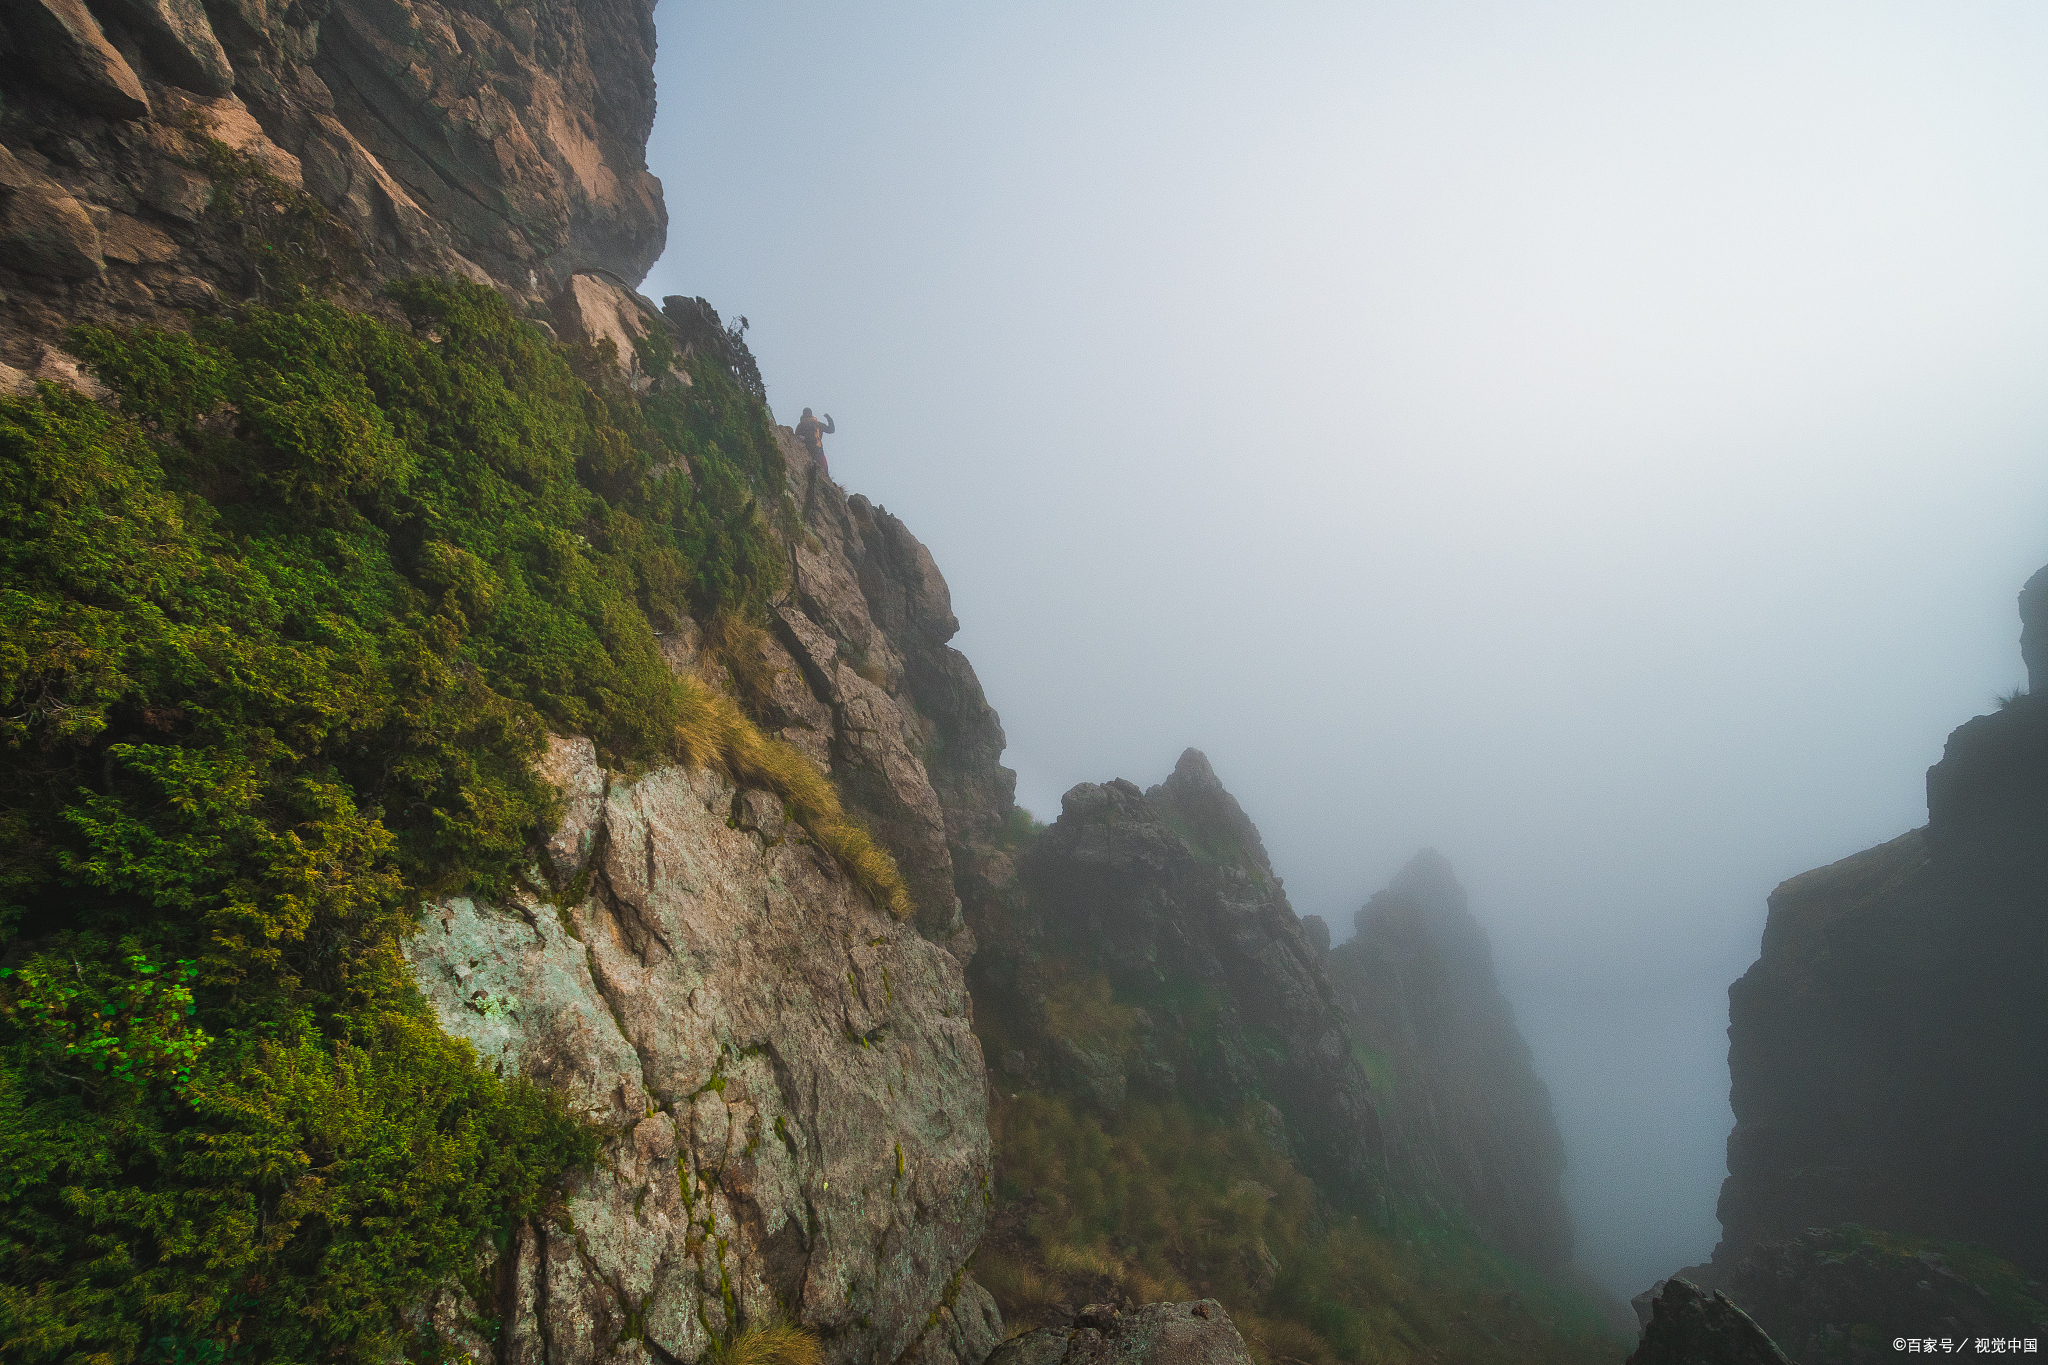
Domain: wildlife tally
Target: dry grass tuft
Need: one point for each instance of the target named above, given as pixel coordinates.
(1014, 1284)
(714, 733)
(736, 643)
(1073, 1260)
(775, 1343)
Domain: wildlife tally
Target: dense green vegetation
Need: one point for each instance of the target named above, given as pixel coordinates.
(1167, 1203)
(278, 644)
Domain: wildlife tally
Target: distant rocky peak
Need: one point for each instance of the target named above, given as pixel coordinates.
(1425, 898)
(1195, 803)
(1428, 882)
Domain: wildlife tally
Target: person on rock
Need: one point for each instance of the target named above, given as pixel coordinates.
(812, 433)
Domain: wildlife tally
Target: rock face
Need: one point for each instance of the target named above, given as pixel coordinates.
(164, 154)
(1884, 1049)
(793, 1095)
(1689, 1327)
(1154, 951)
(1198, 1333)
(795, 1101)
(1842, 1296)
(1466, 1121)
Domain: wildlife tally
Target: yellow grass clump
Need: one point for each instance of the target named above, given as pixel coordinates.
(774, 1343)
(712, 732)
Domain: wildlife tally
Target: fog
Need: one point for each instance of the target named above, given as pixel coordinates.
(1600, 441)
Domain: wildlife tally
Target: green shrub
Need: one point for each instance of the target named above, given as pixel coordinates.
(278, 646)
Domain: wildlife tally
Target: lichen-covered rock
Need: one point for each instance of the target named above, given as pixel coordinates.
(1690, 1327)
(1197, 1333)
(794, 1101)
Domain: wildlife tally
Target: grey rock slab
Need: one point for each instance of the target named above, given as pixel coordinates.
(570, 764)
(795, 1105)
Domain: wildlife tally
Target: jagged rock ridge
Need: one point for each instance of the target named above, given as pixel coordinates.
(1153, 950)
(1466, 1120)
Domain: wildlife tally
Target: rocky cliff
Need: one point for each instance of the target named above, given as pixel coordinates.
(1153, 950)
(1883, 1057)
(168, 155)
(1884, 1049)
(1466, 1121)
(794, 1098)
(790, 1102)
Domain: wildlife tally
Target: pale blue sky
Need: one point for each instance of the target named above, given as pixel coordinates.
(1601, 441)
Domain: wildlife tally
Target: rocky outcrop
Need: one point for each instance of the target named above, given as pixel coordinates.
(794, 1100)
(230, 150)
(1467, 1123)
(896, 711)
(1844, 1296)
(793, 1096)
(1198, 1333)
(1154, 951)
(1689, 1327)
(1884, 1049)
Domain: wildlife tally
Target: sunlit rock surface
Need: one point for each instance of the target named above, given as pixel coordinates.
(163, 155)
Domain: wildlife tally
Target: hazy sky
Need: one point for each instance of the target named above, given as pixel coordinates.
(1601, 441)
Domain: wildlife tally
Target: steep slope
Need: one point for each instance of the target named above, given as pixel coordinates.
(796, 1101)
(1465, 1118)
(1884, 1049)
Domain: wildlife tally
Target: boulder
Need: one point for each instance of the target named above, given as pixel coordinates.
(1842, 1296)
(1197, 1333)
(1690, 1327)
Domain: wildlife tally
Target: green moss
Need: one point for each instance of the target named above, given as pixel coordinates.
(278, 646)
